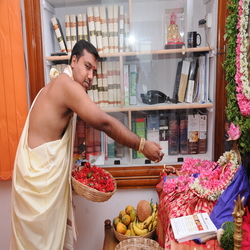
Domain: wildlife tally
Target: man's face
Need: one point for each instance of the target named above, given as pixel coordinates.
(84, 69)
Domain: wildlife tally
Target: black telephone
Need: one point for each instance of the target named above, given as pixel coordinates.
(154, 96)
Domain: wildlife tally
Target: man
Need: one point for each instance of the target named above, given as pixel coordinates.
(41, 194)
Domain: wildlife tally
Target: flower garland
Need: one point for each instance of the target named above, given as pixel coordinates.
(241, 77)
(206, 179)
(238, 89)
(211, 184)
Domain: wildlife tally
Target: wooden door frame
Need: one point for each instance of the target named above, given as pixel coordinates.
(37, 81)
(220, 100)
(34, 45)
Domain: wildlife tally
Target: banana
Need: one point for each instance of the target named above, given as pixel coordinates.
(154, 224)
(132, 229)
(153, 215)
(155, 207)
(150, 226)
(147, 222)
(138, 224)
(139, 231)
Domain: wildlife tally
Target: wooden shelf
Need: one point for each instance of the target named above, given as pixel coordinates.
(137, 53)
(160, 106)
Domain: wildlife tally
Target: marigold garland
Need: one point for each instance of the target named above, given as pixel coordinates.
(236, 68)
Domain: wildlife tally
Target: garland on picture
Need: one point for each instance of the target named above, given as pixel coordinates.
(236, 68)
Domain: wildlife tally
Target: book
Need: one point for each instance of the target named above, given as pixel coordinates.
(163, 132)
(59, 34)
(114, 83)
(191, 82)
(201, 79)
(173, 140)
(116, 29)
(121, 29)
(73, 30)
(177, 82)
(98, 31)
(89, 140)
(110, 84)
(132, 84)
(141, 131)
(203, 134)
(95, 91)
(104, 29)
(196, 84)
(126, 84)
(118, 83)
(119, 148)
(79, 144)
(97, 142)
(126, 31)
(193, 133)
(153, 128)
(85, 27)
(183, 80)
(192, 227)
(105, 83)
(79, 27)
(100, 85)
(111, 28)
(91, 26)
(111, 147)
(133, 128)
(206, 78)
(68, 36)
(183, 133)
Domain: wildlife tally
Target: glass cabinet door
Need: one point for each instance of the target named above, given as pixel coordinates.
(156, 74)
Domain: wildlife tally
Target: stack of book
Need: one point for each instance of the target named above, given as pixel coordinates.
(107, 28)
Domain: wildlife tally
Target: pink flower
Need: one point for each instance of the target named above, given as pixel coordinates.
(233, 132)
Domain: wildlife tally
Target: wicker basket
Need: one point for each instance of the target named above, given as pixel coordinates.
(138, 243)
(91, 193)
(121, 237)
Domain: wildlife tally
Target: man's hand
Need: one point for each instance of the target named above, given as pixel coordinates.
(152, 151)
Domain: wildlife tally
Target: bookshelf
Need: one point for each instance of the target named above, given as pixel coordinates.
(157, 66)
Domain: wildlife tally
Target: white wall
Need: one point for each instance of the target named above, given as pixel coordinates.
(5, 194)
(90, 216)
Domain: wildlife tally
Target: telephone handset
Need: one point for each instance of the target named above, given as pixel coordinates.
(154, 96)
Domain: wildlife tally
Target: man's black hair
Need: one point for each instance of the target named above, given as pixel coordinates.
(79, 48)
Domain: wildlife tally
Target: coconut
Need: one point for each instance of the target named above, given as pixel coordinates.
(143, 210)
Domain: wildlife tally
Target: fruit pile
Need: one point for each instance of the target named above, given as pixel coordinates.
(137, 222)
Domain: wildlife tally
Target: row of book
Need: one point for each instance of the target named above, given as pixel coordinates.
(107, 28)
(176, 132)
(192, 80)
(105, 90)
(90, 143)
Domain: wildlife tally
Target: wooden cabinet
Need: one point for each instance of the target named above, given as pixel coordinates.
(157, 65)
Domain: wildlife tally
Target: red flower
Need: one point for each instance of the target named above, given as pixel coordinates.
(94, 177)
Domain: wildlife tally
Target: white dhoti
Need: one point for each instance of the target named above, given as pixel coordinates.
(42, 212)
